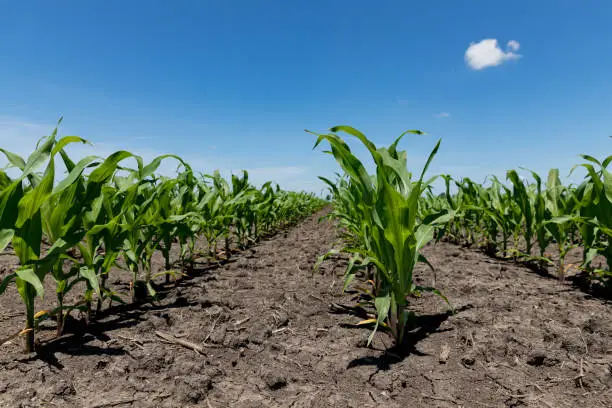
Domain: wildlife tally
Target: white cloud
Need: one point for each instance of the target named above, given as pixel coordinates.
(513, 45)
(442, 115)
(487, 53)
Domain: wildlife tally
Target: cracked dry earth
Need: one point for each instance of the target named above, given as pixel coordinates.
(268, 338)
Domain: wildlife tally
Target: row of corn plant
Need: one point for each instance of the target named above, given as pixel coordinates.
(77, 222)
(525, 217)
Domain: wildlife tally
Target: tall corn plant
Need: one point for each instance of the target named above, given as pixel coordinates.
(21, 222)
(393, 235)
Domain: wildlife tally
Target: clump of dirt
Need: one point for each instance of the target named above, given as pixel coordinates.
(260, 332)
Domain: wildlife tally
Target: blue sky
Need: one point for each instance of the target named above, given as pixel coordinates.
(232, 84)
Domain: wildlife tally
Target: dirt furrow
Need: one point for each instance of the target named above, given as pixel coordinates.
(259, 332)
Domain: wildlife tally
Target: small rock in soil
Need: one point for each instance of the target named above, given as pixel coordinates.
(64, 388)
(218, 335)
(444, 353)
(275, 381)
(239, 341)
(281, 319)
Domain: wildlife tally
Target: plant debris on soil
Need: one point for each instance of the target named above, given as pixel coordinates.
(264, 331)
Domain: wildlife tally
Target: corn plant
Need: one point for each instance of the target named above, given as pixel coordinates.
(393, 235)
(22, 203)
(594, 199)
(560, 207)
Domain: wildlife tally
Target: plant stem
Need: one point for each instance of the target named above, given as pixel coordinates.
(29, 335)
(60, 314)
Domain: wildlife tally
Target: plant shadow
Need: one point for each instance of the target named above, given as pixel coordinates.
(78, 333)
(424, 326)
(584, 282)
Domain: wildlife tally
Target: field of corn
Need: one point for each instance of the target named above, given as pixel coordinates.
(123, 288)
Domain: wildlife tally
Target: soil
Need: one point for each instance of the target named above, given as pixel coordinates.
(267, 337)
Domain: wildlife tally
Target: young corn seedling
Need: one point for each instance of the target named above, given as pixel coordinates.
(595, 216)
(560, 209)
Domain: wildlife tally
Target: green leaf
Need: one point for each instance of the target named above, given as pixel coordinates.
(6, 235)
(149, 169)
(590, 158)
(151, 290)
(382, 304)
(74, 174)
(348, 279)
(607, 180)
(40, 155)
(14, 159)
(90, 275)
(430, 159)
(27, 274)
(590, 255)
(6, 281)
(323, 258)
(65, 141)
(105, 171)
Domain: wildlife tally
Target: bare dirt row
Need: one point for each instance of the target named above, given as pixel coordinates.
(264, 331)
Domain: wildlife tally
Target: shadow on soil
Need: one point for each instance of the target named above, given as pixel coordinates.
(425, 325)
(584, 283)
(581, 281)
(77, 333)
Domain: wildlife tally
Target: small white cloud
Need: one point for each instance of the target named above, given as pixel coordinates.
(514, 45)
(442, 115)
(487, 53)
